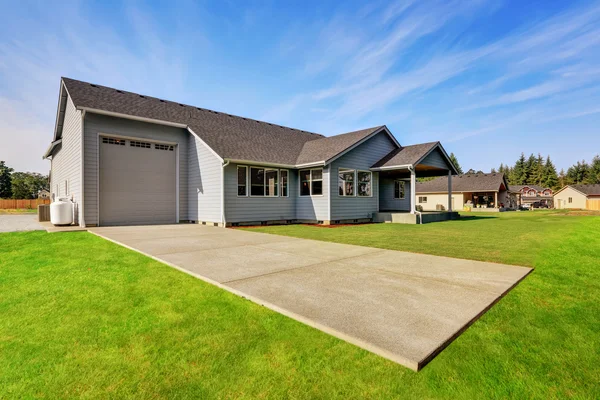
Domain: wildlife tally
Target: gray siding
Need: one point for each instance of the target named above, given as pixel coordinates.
(254, 209)
(204, 183)
(314, 208)
(361, 158)
(66, 162)
(435, 159)
(387, 202)
(95, 124)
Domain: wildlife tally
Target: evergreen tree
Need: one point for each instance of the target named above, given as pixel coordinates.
(519, 173)
(455, 162)
(493, 171)
(5, 181)
(594, 171)
(578, 173)
(562, 178)
(538, 176)
(530, 170)
(550, 178)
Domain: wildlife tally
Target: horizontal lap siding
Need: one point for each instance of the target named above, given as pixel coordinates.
(313, 208)
(435, 159)
(95, 124)
(361, 158)
(387, 202)
(254, 209)
(204, 183)
(66, 163)
(436, 198)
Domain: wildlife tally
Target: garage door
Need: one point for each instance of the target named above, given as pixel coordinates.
(137, 182)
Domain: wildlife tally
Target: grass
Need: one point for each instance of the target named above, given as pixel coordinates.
(82, 317)
(4, 211)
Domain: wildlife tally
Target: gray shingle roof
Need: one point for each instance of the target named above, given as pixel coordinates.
(230, 136)
(405, 155)
(590, 190)
(463, 183)
(518, 188)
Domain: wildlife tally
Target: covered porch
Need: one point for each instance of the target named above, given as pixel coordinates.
(398, 173)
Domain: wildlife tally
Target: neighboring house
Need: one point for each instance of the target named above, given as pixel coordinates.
(578, 196)
(43, 194)
(486, 192)
(126, 158)
(533, 195)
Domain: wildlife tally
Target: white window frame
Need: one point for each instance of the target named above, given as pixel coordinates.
(265, 169)
(354, 174)
(310, 182)
(237, 183)
(250, 181)
(276, 192)
(357, 183)
(570, 201)
(403, 189)
(287, 183)
(421, 198)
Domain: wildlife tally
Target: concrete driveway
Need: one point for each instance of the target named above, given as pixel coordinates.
(19, 222)
(403, 306)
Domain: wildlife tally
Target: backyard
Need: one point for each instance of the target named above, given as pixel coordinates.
(81, 316)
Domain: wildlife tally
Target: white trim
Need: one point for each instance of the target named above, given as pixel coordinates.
(204, 143)
(178, 167)
(51, 148)
(310, 182)
(353, 182)
(237, 183)
(357, 182)
(560, 190)
(82, 176)
(287, 183)
(250, 162)
(413, 191)
(309, 165)
(403, 181)
(391, 167)
(264, 183)
(223, 166)
(133, 117)
(438, 145)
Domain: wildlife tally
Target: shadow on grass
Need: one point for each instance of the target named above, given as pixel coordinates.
(474, 217)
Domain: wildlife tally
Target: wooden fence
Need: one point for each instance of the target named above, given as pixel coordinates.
(593, 204)
(13, 204)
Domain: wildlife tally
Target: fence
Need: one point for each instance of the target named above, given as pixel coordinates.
(593, 204)
(13, 204)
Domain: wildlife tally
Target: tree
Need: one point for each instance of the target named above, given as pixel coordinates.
(537, 173)
(26, 185)
(473, 172)
(578, 173)
(594, 171)
(493, 171)
(562, 178)
(519, 173)
(530, 169)
(5, 181)
(550, 178)
(455, 162)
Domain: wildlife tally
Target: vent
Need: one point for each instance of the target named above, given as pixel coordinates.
(119, 91)
(143, 145)
(143, 97)
(109, 140)
(92, 85)
(181, 105)
(163, 147)
(162, 101)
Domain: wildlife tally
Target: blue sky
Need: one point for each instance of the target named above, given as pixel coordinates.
(489, 79)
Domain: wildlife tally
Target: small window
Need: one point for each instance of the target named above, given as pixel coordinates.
(271, 182)
(570, 199)
(305, 182)
(399, 190)
(143, 145)
(422, 199)
(283, 185)
(242, 183)
(364, 183)
(316, 182)
(165, 147)
(346, 182)
(257, 181)
(109, 140)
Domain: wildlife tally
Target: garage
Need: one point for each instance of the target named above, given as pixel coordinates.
(138, 182)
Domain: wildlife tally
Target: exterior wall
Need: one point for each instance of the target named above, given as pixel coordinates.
(435, 159)
(434, 199)
(561, 200)
(387, 202)
(204, 182)
(66, 161)
(314, 208)
(360, 158)
(95, 124)
(255, 209)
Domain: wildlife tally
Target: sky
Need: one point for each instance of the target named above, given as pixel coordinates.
(489, 79)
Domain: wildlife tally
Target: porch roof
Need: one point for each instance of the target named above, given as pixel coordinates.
(411, 156)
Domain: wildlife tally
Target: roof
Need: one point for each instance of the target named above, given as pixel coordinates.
(229, 136)
(518, 188)
(588, 190)
(407, 155)
(464, 183)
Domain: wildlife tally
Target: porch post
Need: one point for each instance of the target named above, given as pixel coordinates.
(449, 191)
(496, 199)
(413, 190)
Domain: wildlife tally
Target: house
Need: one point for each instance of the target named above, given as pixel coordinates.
(480, 192)
(533, 196)
(126, 158)
(43, 194)
(578, 196)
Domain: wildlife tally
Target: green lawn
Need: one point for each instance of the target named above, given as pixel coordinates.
(18, 211)
(82, 317)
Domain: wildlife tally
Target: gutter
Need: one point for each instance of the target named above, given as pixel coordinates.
(225, 164)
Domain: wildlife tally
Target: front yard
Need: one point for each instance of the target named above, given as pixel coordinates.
(80, 316)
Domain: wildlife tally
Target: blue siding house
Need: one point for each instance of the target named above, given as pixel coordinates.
(124, 159)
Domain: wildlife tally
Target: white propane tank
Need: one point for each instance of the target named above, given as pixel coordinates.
(61, 211)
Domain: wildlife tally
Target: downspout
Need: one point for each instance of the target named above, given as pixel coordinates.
(81, 189)
(223, 221)
(413, 189)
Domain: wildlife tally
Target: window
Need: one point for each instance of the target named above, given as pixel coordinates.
(422, 199)
(364, 183)
(163, 147)
(143, 145)
(257, 181)
(242, 183)
(346, 182)
(399, 190)
(311, 182)
(283, 185)
(570, 199)
(271, 182)
(108, 140)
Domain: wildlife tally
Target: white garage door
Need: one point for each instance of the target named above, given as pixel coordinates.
(137, 182)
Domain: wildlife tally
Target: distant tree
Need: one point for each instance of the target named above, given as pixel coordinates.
(578, 173)
(26, 185)
(519, 171)
(493, 171)
(472, 171)
(537, 172)
(562, 178)
(5, 181)
(530, 169)
(549, 176)
(455, 162)
(594, 171)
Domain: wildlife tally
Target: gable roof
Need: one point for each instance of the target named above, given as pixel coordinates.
(407, 155)
(464, 183)
(518, 188)
(229, 136)
(588, 190)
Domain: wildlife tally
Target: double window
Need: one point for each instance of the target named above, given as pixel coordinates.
(311, 182)
(263, 182)
(399, 190)
(423, 199)
(354, 183)
(570, 200)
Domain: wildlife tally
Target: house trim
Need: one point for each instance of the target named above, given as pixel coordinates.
(578, 191)
(439, 146)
